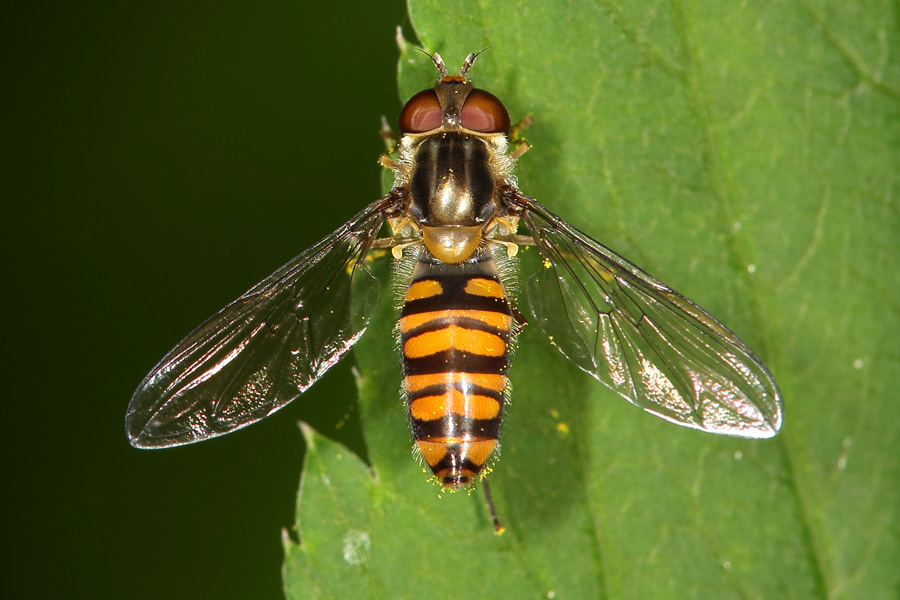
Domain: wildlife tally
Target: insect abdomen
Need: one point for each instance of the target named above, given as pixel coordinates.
(455, 336)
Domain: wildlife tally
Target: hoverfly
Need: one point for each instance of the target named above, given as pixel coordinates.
(453, 213)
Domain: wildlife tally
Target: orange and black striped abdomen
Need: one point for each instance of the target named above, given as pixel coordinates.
(454, 338)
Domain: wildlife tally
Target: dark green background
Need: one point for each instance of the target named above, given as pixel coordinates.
(160, 158)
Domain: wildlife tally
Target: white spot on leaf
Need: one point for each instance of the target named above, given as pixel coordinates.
(356, 547)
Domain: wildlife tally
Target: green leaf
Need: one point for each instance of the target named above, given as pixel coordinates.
(746, 154)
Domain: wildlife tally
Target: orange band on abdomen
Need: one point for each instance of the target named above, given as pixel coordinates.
(491, 381)
(426, 288)
(472, 341)
(429, 408)
(492, 319)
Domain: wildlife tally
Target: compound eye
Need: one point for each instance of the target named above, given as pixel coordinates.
(483, 112)
(421, 113)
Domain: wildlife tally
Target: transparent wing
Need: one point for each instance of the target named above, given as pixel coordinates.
(265, 348)
(648, 343)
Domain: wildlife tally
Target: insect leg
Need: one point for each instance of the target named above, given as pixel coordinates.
(391, 143)
(515, 137)
(498, 527)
